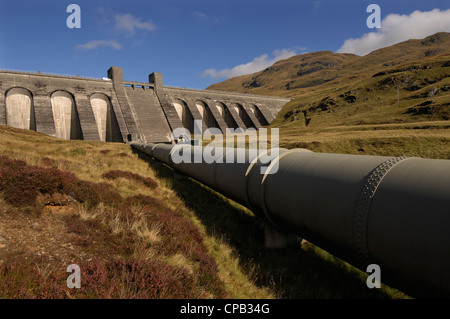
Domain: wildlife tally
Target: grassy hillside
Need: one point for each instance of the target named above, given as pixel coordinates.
(308, 72)
(409, 93)
(137, 232)
(97, 205)
(393, 101)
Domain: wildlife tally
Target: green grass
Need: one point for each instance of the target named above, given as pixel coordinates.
(427, 141)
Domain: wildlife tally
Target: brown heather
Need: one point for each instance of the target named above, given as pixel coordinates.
(147, 181)
(21, 183)
(130, 240)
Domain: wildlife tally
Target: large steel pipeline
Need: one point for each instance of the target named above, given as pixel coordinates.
(389, 211)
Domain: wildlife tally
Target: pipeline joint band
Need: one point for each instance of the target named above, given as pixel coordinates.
(275, 163)
(362, 208)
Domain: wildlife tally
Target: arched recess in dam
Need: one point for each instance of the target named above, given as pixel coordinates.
(206, 114)
(258, 114)
(185, 114)
(105, 118)
(20, 109)
(243, 114)
(226, 115)
(67, 124)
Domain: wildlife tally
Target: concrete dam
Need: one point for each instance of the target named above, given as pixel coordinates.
(114, 110)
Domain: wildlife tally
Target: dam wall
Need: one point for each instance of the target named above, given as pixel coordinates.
(114, 110)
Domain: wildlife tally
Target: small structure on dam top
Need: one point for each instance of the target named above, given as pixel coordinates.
(114, 110)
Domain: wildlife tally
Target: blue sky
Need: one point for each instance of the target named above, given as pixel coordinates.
(195, 43)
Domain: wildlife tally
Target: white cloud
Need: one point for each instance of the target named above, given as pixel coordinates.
(316, 4)
(204, 17)
(91, 45)
(258, 64)
(128, 24)
(397, 28)
(199, 15)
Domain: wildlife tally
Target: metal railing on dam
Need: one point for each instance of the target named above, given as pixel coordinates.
(390, 211)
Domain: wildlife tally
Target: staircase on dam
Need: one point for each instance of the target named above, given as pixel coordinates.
(150, 119)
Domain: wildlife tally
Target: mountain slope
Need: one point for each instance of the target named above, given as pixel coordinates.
(316, 68)
(300, 71)
(408, 80)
